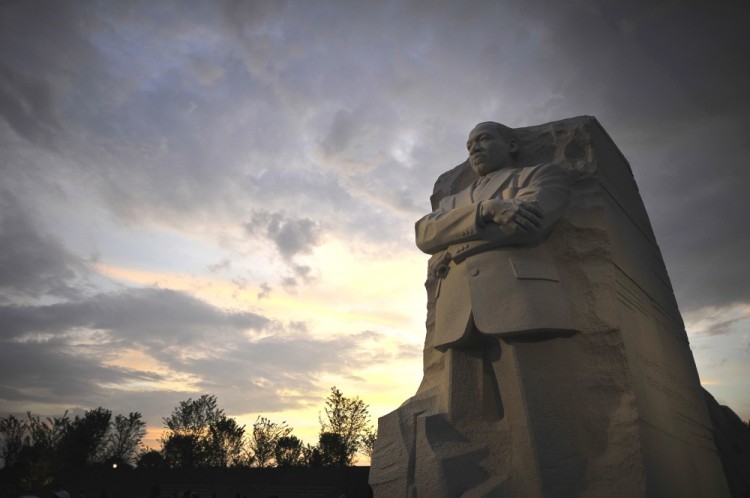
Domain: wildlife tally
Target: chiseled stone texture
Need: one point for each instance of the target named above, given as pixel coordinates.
(613, 408)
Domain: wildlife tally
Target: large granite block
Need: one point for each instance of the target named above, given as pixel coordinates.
(593, 391)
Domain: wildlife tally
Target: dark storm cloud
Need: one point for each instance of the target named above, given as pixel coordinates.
(41, 340)
(679, 115)
(143, 134)
(26, 104)
(696, 44)
(58, 371)
(699, 215)
(160, 318)
(40, 51)
(32, 263)
(135, 127)
(49, 350)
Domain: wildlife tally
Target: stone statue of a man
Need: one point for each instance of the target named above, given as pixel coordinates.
(495, 277)
(556, 362)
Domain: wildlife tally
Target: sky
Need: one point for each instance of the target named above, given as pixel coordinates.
(219, 197)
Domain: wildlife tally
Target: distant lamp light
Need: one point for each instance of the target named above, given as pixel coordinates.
(114, 465)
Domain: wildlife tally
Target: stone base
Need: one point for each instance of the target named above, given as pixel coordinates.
(477, 435)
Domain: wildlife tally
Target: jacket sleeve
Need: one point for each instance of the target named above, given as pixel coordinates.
(447, 226)
(546, 186)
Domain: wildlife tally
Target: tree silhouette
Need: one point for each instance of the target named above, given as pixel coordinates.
(264, 439)
(151, 459)
(333, 450)
(368, 441)
(40, 458)
(225, 442)
(193, 417)
(288, 452)
(83, 439)
(12, 431)
(201, 435)
(348, 419)
(183, 451)
(37, 449)
(186, 445)
(124, 438)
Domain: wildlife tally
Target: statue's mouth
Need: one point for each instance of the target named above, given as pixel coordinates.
(477, 158)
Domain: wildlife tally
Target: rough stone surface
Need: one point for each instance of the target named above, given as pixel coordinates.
(606, 403)
(732, 437)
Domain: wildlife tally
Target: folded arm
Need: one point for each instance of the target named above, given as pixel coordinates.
(524, 217)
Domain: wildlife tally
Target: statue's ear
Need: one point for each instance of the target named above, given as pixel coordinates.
(513, 146)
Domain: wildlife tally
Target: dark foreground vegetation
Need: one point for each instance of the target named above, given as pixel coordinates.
(102, 452)
(280, 482)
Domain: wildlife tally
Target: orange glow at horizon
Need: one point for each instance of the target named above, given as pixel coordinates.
(354, 291)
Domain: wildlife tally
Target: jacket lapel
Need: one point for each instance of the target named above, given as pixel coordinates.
(463, 198)
(498, 182)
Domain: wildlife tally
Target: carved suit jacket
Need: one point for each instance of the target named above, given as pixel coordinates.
(502, 281)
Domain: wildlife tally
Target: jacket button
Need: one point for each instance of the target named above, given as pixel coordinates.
(474, 272)
(441, 271)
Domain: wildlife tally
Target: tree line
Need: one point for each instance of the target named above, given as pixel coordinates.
(197, 434)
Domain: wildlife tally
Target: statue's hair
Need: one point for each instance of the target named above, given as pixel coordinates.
(507, 133)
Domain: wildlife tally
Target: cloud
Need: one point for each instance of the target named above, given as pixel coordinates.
(35, 73)
(223, 265)
(265, 291)
(716, 321)
(292, 236)
(27, 106)
(33, 264)
(693, 187)
(725, 326)
(162, 319)
(67, 354)
(299, 273)
(670, 35)
(56, 371)
(60, 352)
(264, 368)
(325, 122)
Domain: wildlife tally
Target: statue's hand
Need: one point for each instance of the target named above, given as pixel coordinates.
(512, 215)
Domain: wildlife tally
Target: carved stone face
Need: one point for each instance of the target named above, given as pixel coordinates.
(488, 151)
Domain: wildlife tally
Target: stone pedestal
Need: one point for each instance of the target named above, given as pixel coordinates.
(613, 408)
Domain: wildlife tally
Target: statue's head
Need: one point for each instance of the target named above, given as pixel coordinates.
(491, 146)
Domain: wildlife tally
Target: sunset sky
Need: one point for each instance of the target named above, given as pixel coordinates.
(219, 197)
